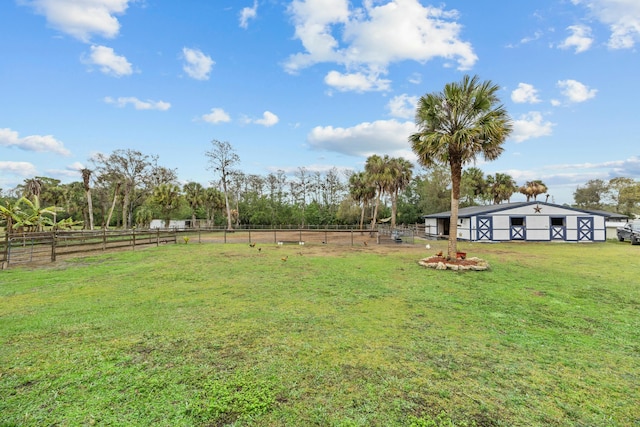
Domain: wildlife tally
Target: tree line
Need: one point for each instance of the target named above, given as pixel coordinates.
(128, 188)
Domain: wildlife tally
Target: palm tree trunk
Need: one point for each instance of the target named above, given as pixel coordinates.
(375, 211)
(86, 179)
(456, 177)
(394, 208)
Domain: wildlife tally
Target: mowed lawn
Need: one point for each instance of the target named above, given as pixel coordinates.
(212, 335)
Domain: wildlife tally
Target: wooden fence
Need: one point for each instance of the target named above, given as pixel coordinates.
(28, 248)
(44, 247)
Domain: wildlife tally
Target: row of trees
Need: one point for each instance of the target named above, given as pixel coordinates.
(619, 194)
(303, 197)
(133, 190)
(457, 126)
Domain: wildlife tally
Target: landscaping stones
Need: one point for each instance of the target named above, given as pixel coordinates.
(442, 263)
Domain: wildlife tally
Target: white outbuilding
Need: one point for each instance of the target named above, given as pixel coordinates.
(523, 221)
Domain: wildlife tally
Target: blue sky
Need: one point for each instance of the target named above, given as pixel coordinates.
(313, 83)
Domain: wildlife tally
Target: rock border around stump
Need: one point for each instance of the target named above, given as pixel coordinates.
(441, 263)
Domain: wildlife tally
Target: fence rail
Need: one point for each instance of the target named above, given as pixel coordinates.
(43, 247)
(26, 248)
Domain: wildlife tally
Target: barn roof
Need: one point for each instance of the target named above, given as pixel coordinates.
(487, 209)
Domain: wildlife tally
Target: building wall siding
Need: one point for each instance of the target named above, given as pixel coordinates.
(537, 225)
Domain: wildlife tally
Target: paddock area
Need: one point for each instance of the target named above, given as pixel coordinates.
(45, 247)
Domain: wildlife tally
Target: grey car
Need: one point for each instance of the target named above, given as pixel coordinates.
(631, 232)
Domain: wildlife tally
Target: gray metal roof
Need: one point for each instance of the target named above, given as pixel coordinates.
(487, 209)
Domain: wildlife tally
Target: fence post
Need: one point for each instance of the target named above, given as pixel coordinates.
(300, 239)
(199, 233)
(157, 237)
(249, 236)
(104, 239)
(351, 237)
(6, 247)
(53, 246)
(133, 235)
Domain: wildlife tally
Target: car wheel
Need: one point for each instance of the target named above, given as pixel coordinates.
(620, 238)
(635, 241)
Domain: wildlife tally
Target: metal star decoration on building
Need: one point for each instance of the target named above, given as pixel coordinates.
(537, 209)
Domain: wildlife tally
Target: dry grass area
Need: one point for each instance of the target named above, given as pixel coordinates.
(332, 237)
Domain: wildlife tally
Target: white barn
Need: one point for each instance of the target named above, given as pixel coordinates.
(524, 221)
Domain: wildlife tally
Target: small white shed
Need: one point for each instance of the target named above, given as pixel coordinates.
(525, 221)
(177, 224)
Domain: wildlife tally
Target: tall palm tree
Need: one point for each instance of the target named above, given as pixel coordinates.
(86, 177)
(194, 195)
(538, 188)
(378, 171)
(401, 174)
(527, 190)
(533, 189)
(361, 192)
(456, 126)
(501, 187)
(33, 189)
(213, 200)
(167, 196)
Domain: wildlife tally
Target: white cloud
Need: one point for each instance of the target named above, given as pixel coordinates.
(248, 13)
(109, 63)
(198, 65)
(357, 82)
(138, 104)
(379, 137)
(629, 167)
(268, 119)
(217, 115)
(403, 106)
(531, 125)
(622, 17)
(38, 143)
(529, 39)
(366, 40)
(313, 20)
(75, 166)
(71, 171)
(82, 18)
(25, 169)
(580, 39)
(415, 79)
(525, 93)
(576, 91)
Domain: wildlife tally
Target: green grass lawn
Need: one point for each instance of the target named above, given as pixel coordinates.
(212, 335)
